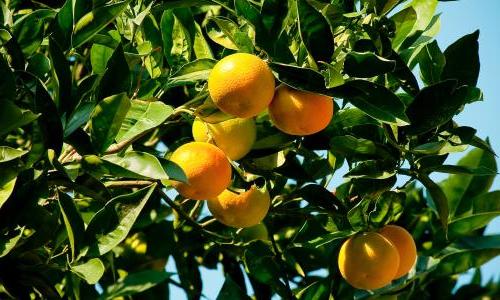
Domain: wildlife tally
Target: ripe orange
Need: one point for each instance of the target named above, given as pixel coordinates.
(234, 136)
(240, 210)
(300, 113)
(368, 261)
(206, 167)
(241, 85)
(405, 245)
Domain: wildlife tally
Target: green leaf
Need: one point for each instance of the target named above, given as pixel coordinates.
(95, 21)
(460, 188)
(375, 100)
(260, 265)
(350, 145)
(141, 117)
(439, 199)
(480, 242)
(9, 241)
(404, 21)
(432, 62)
(451, 169)
(7, 153)
(201, 47)
(91, 271)
(62, 76)
(80, 116)
(462, 261)
(325, 239)
(8, 176)
(487, 202)
(144, 164)
(73, 222)
(434, 106)
(39, 65)
(8, 83)
(462, 60)
(49, 122)
(177, 44)
(388, 208)
(249, 12)
(375, 169)
(299, 78)
(317, 195)
(106, 120)
(465, 225)
(116, 78)
(231, 290)
(358, 215)
(424, 10)
(315, 32)
(111, 225)
(367, 64)
(191, 73)
(99, 57)
(29, 30)
(135, 283)
(318, 290)
(227, 34)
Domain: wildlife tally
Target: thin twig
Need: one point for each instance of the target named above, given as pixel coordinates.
(188, 219)
(281, 263)
(127, 184)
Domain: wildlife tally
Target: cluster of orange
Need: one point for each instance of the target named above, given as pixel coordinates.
(372, 260)
(242, 85)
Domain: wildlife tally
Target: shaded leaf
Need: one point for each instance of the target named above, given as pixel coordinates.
(367, 64)
(111, 225)
(375, 100)
(462, 60)
(135, 283)
(315, 32)
(460, 189)
(73, 222)
(231, 290)
(106, 120)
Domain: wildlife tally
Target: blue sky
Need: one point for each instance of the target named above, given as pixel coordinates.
(458, 18)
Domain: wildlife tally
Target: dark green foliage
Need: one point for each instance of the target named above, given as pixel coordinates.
(95, 95)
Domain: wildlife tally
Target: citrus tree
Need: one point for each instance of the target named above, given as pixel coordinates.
(207, 133)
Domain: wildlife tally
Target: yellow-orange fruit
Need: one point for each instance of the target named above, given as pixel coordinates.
(241, 85)
(368, 261)
(300, 113)
(240, 210)
(405, 245)
(234, 136)
(207, 170)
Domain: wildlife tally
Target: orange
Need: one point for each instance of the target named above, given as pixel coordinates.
(405, 244)
(206, 167)
(234, 136)
(368, 261)
(241, 85)
(300, 113)
(240, 210)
